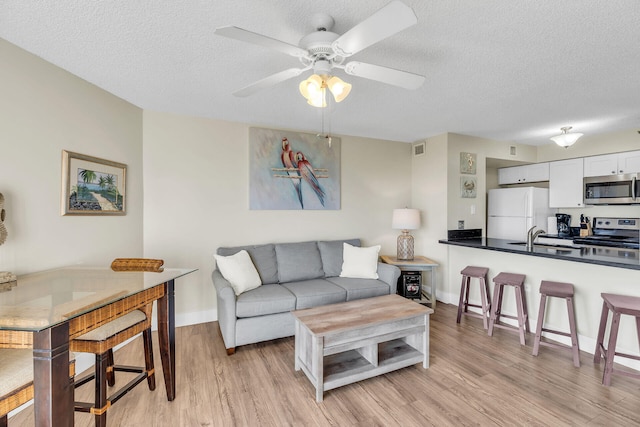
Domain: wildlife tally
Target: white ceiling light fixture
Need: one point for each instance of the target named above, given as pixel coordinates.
(314, 89)
(566, 138)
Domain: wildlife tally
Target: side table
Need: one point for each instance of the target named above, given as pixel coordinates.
(422, 264)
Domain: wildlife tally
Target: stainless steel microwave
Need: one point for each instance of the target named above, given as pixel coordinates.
(612, 189)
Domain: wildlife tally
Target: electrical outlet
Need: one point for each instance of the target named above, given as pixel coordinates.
(473, 209)
(460, 224)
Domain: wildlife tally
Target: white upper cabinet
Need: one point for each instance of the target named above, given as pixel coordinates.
(565, 183)
(612, 164)
(522, 174)
(629, 162)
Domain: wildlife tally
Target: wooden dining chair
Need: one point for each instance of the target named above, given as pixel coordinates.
(102, 340)
(16, 379)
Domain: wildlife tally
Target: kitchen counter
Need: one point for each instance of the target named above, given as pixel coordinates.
(611, 257)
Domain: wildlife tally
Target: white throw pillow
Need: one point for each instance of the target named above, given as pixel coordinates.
(239, 270)
(360, 263)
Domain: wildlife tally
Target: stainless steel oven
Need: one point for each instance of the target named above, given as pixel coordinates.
(612, 190)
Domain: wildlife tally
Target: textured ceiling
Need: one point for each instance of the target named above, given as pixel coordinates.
(511, 70)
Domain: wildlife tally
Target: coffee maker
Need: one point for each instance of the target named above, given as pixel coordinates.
(564, 224)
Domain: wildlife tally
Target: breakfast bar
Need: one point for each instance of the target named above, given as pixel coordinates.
(592, 271)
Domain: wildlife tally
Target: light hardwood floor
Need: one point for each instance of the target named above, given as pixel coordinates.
(473, 380)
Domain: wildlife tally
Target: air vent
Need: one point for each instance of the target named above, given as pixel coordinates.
(418, 149)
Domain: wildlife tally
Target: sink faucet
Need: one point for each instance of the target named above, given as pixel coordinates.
(531, 236)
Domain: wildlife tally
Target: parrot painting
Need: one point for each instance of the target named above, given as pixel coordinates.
(309, 175)
(289, 162)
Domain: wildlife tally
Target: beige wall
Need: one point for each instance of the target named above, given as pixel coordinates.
(196, 174)
(44, 110)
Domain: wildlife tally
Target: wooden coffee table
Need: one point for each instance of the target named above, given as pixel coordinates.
(340, 344)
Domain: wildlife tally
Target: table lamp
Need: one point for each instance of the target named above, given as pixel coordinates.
(405, 220)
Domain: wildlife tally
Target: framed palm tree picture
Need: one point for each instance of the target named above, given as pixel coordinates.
(92, 186)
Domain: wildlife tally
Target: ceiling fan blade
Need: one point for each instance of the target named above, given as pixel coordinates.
(391, 19)
(260, 40)
(390, 76)
(272, 80)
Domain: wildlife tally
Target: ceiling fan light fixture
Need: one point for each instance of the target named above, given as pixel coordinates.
(566, 138)
(314, 89)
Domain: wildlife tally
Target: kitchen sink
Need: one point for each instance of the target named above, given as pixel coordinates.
(544, 245)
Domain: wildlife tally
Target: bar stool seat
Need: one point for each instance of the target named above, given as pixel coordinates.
(558, 290)
(517, 281)
(618, 305)
(479, 273)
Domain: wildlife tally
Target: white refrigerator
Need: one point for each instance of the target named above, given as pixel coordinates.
(513, 211)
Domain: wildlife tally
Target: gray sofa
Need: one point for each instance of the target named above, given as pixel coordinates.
(294, 276)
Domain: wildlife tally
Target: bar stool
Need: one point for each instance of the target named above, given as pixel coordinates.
(517, 281)
(617, 304)
(557, 290)
(479, 273)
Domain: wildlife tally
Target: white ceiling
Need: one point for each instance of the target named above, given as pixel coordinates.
(511, 70)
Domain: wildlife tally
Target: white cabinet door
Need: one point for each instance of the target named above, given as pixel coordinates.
(601, 165)
(522, 174)
(537, 172)
(510, 175)
(629, 162)
(565, 183)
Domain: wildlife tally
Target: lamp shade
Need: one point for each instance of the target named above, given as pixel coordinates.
(405, 219)
(339, 89)
(313, 89)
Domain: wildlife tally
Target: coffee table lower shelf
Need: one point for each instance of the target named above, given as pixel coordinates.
(349, 367)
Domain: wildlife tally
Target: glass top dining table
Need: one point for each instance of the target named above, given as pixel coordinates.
(45, 310)
(41, 300)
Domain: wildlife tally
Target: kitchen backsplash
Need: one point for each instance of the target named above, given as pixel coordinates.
(620, 211)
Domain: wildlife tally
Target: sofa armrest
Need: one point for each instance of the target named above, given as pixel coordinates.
(226, 299)
(389, 274)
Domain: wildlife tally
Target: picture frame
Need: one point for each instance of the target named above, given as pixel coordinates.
(468, 187)
(468, 163)
(92, 186)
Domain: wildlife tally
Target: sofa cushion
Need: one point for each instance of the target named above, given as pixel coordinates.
(298, 261)
(312, 293)
(331, 254)
(263, 257)
(239, 270)
(267, 299)
(360, 263)
(361, 288)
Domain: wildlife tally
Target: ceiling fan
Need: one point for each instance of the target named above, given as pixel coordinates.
(324, 50)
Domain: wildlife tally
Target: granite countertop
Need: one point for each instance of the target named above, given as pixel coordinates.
(612, 257)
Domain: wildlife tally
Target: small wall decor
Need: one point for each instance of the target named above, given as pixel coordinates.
(92, 186)
(293, 170)
(3, 229)
(468, 187)
(468, 163)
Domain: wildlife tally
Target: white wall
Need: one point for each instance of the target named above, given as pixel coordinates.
(196, 174)
(44, 110)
